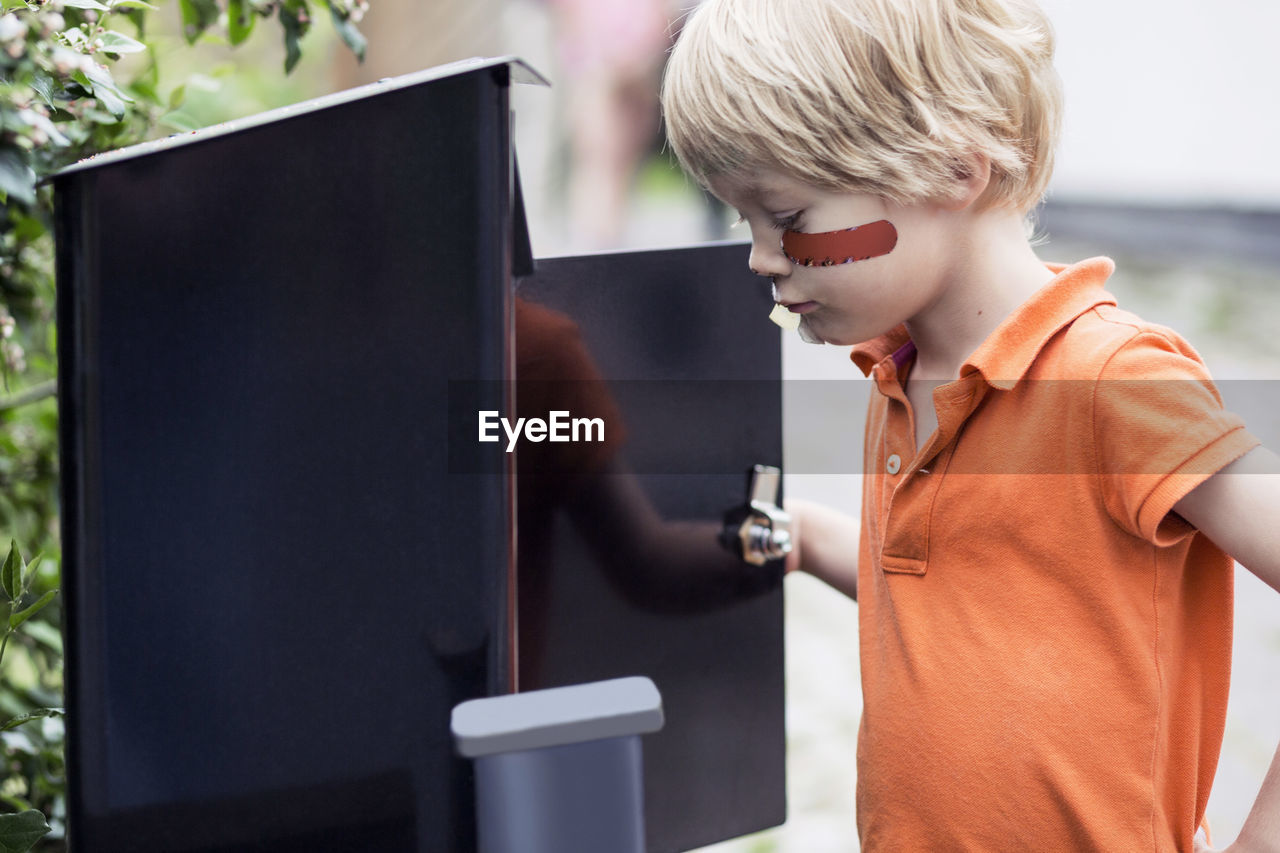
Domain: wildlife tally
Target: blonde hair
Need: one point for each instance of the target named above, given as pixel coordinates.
(879, 96)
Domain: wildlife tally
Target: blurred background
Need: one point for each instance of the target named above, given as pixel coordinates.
(1167, 165)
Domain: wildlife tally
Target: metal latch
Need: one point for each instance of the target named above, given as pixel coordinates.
(760, 530)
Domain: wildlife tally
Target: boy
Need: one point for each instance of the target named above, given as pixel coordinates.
(1052, 485)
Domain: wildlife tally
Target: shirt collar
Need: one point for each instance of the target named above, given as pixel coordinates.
(1005, 355)
(867, 355)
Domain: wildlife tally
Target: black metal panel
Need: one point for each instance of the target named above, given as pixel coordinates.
(620, 572)
(276, 591)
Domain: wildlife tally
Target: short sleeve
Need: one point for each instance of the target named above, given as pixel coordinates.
(1159, 431)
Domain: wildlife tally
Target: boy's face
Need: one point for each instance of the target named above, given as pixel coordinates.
(846, 303)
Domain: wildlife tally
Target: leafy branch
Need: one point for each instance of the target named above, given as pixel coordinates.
(20, 831)
(15, 579)
(64, 97)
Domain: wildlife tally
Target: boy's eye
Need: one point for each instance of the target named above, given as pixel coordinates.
(790, 222)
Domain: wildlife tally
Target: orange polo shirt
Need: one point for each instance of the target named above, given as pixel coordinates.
(1045, 646)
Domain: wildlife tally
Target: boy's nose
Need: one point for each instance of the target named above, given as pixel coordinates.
(768, 260)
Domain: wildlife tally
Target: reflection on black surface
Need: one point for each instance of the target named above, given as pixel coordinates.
(671, 566)
(280, 590)
(621, 573)
(372, 813)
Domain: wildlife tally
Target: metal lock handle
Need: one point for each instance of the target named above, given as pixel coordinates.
(761, 530)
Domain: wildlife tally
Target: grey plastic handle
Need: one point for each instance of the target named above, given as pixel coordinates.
(560, 770)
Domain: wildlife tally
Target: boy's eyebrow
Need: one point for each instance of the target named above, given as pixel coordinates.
(761, 193)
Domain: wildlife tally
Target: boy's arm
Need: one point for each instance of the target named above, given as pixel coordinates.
(1239, 510)
(826, 545)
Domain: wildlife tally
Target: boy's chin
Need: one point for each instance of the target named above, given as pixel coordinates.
(835, 337)
(807, 334)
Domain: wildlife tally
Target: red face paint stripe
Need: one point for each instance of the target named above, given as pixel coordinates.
(840, 247)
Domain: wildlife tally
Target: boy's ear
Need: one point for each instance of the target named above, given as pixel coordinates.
(972, 177)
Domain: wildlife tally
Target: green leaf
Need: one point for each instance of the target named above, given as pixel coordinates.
(110, 102)
(44, 634)
(27, 612)
(101, 138)
(37, 714)
(114, 42)
(146, 91)
(17, 178)
(30, 571)
(84, 4)
(177, 96)
(75, 37)
(197, 16)
(106, 91)
(352, 36)
(26, 229)
(293, 31)
(11, 575)
(132, 4)
(34, 119)
(19, 832)
(17, 741)
(16, 803)
(240, 20)
(180, 121)
(147, 82)
(44, 86)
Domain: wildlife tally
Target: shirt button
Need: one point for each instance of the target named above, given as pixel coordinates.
(893, 464)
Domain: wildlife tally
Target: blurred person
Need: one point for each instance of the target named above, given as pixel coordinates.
(410, 35)
(610, 55)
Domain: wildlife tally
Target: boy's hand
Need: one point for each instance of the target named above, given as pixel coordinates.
(824, 543)
(1202, 843)
(793, 561)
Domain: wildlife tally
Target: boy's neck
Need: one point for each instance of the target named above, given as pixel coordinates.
(991, 272)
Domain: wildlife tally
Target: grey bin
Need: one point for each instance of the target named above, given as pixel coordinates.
(560, 770)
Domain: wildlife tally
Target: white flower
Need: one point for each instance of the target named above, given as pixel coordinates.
(66, 60)
(14, 356)
(11, 29)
